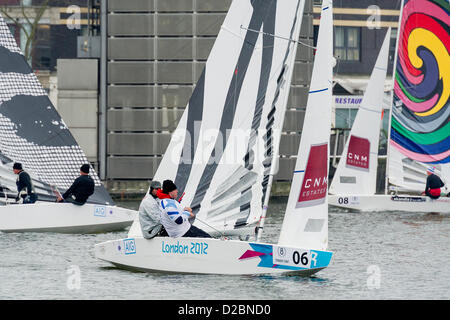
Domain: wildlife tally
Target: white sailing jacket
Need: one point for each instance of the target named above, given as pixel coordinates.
(174, 218)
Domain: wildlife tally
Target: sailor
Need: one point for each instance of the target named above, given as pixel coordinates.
(25, 188)
(81, 189)
(150, 213)
(434, 184)
(174, 218)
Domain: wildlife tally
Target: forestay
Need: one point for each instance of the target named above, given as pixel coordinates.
(420, 128)
(32, 132)
(306, 219)
(226, 144)
(357, 169)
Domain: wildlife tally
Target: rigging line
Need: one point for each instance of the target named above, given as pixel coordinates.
(272, 35)
(221, 232)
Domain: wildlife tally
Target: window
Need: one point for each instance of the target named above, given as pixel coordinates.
(344, 118)
(42, 50)
(347, 43)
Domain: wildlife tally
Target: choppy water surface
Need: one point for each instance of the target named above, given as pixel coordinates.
(376, 256)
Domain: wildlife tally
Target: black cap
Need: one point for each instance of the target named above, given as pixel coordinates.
(85, 168)
(168, 186)
(17, 166)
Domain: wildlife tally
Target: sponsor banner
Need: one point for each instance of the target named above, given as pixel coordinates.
(100, 211)
(358, 154)
(129, 246)
(315, 180)
(408, 199)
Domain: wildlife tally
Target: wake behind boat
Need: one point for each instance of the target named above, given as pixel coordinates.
(304, 235)
(33, 133)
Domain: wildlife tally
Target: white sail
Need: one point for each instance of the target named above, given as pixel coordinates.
(357, 169)
(224, 149)
(306, 219)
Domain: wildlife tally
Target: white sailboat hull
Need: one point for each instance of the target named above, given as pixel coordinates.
(381, 202)
(210, 256)
(64, 218)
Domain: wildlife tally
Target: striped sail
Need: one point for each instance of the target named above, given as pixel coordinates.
(33, 133)
(357, 169)
(420, 128)
(226, 144)
(305, 223)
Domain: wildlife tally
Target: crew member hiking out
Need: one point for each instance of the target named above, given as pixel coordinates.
(81, 189)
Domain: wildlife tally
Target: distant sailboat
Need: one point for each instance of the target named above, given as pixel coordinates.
(356, 173)
(303, 238)
(419, 123)
(33, 133)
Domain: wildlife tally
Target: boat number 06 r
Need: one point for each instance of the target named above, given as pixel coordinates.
(300, 258)
(292, 257)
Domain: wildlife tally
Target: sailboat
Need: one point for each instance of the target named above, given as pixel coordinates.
(33, 134)
(304, 235)
(224, 153)
(356, 173)
(419, 123)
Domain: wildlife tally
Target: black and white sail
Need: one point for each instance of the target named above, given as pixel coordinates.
(33, 133)
(226, 144)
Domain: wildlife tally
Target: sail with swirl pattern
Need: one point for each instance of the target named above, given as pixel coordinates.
(420, 128)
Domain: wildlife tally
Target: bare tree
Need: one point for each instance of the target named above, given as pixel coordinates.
(27, 21)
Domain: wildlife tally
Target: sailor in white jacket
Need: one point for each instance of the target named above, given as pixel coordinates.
(174, 217)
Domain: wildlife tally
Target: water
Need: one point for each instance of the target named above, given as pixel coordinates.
(376, 256)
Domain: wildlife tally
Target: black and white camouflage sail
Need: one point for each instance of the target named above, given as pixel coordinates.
(226, 144)
(33, 133)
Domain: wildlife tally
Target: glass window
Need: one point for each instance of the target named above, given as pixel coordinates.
(42, 48)
(347, 43)
(346, 116)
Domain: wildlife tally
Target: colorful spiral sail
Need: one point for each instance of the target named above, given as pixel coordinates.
(420, 114)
